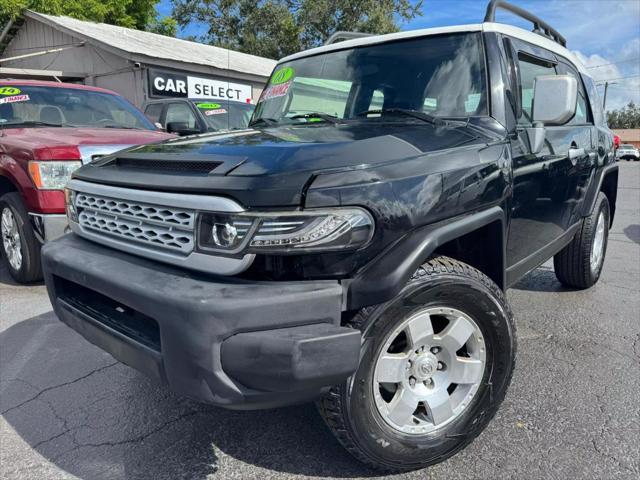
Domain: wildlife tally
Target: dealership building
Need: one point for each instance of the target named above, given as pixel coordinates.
(138, 65)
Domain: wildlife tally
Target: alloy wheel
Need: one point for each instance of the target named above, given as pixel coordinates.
(11, 239)
(428, 370)
(597, 248)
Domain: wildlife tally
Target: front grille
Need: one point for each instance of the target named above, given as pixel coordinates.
(156, 226)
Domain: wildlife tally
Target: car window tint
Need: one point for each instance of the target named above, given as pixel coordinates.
(153, 112)
(319, 94)
(180, 112)
(583, 115)
(529, 70)
(442, 74)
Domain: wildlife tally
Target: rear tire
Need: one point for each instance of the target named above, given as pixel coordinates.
(18, 243)
(359, 412)
(579, 264)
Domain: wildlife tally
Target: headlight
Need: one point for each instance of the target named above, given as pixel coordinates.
(50, 175)
(285, 233)
(70, 204)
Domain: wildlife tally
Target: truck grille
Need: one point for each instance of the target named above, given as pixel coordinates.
(152, 225)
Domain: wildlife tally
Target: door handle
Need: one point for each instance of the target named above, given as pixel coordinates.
(575, 154)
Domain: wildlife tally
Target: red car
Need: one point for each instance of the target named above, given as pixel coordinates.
(47, 130)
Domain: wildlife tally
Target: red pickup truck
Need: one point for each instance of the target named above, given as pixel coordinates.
(47, 130)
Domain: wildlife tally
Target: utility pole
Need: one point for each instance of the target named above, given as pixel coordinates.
(604, 101)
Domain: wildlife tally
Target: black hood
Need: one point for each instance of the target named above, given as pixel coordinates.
(252, 165)
(315, 147)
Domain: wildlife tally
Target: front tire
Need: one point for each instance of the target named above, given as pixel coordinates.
(579, 264)
(435, 365)
(20, 248)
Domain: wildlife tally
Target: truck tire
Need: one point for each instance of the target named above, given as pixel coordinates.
(435, 365)
(579, 264)
(19, 246)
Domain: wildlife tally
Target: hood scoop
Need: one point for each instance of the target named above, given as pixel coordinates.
(198, 165)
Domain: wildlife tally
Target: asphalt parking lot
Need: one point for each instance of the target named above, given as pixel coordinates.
(573, 410)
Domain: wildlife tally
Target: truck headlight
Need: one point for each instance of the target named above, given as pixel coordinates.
(70, 204)
(52, 175)
(286, 233)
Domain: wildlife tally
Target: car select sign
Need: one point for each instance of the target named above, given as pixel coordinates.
(165, 84)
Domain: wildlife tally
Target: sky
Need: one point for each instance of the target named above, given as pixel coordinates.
(604, 34)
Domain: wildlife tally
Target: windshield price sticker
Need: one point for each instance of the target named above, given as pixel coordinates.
(9, 91)
(282, 75)
(218, 111)
(15, 99)
(208, 106)
(275, 91)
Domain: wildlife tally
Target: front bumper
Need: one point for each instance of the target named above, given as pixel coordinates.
(48, 227)
(229, 342)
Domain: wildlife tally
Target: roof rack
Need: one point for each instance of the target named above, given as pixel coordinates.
(339, 36)
(539, 26)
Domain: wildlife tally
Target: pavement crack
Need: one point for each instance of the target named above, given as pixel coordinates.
(54, 387)
(35, 446)
(135, 440)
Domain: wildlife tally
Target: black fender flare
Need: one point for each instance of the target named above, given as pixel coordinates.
(595, 188)
(383, 278)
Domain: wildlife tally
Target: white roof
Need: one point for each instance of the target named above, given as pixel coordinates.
(136, 43)
(512, 31)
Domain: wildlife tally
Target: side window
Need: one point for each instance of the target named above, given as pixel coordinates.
(377, 100)
(530, 68)
(594, 100)
(180, 112)
(153, 112)
(582, 115)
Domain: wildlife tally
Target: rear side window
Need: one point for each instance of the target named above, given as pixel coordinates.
(530, 68)
(595, 101)
(153, 112)
(583, 113)
(180, 112)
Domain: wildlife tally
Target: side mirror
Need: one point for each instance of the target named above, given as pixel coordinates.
(181, 128)
(554, 99)
(554, 103)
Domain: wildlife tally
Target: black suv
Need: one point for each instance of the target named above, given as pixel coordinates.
(353, 247)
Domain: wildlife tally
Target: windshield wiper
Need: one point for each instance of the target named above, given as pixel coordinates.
(323, 116)
(425, 117)
(269, 122)
(123, 127)
(35, 123)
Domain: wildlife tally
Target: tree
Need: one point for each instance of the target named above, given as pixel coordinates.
(166, 26)
(138, 14)
(626, 117)
(276, 28)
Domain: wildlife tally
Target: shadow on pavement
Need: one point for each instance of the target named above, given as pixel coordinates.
(541, 280)
(633, 233)
(96, 418)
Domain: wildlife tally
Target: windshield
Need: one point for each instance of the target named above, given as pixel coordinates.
(54, 106)
(442, 76)
(225, 115)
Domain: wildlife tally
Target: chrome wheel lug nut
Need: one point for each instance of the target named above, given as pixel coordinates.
(440, 365)
(435, 350)
(412, 381)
